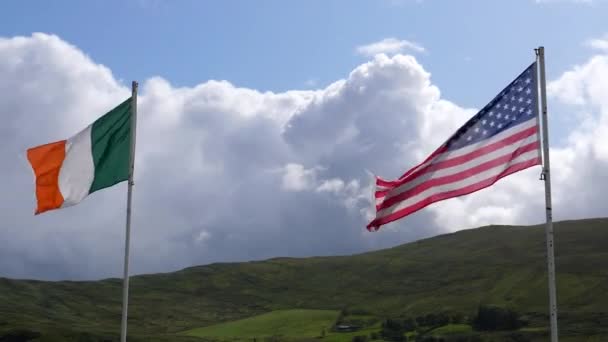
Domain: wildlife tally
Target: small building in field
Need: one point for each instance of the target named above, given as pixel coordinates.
(346, 328)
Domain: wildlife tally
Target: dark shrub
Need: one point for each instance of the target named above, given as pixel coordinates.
(360, 338)
(19, 335)
(392, 330)
(491, 318)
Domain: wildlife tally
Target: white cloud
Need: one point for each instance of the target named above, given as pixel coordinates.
(389, 46)
(598, 43)
(334, 185)
(203, 236)
(297, 178)
(259, 174)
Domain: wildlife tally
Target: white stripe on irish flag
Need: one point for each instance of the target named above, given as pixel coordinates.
(97, 157)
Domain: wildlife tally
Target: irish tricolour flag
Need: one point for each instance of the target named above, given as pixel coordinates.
(97, 157)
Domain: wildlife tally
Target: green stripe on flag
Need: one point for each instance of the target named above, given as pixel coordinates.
(111, 144)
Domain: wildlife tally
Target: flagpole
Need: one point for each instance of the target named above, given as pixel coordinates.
(125, 287)
(546, 176)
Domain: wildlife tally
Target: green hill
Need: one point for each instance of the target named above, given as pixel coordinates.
(292, 323)
(497, 265)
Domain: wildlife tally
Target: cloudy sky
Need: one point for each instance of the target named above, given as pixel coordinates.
(260, 123)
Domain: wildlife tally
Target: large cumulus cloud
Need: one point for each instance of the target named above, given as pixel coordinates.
(226, 173)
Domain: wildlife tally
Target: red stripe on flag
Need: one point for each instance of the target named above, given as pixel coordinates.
(472, 171)
(437, 152)
(375, 224)
(413, 173)
(483, 150)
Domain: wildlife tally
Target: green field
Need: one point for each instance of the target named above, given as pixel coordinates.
(289, 323)
(452, 273)
(452, 329)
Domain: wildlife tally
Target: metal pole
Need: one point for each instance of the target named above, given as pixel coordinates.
(546, 176)
(125, 287)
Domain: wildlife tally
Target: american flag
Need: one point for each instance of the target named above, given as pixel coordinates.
(501, 139)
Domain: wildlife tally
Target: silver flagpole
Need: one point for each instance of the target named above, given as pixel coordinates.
(125, 287)
(546, 176)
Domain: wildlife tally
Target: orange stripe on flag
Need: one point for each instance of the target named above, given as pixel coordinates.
(46, 160)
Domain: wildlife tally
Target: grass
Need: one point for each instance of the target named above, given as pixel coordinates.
(295, 324)
(348, 336)
(452, 329)
(499, 265)
(289, 323)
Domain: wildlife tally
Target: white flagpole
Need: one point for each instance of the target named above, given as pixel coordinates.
(546, 176)
(125, 287)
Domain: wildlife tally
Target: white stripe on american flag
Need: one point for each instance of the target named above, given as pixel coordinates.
(502, 135)
(470, 148)
(420, 188)
(503, 151)
(493, 172)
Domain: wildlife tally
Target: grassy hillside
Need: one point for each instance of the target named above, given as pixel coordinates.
(450, 273)
(291, 323)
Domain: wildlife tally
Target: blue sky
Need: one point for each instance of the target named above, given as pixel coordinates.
(228, 171)
(473, 47)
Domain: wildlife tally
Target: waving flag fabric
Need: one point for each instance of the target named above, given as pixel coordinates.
(499, 140)
(67, 171)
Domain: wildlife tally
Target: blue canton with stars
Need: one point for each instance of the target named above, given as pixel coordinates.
(517, 103)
